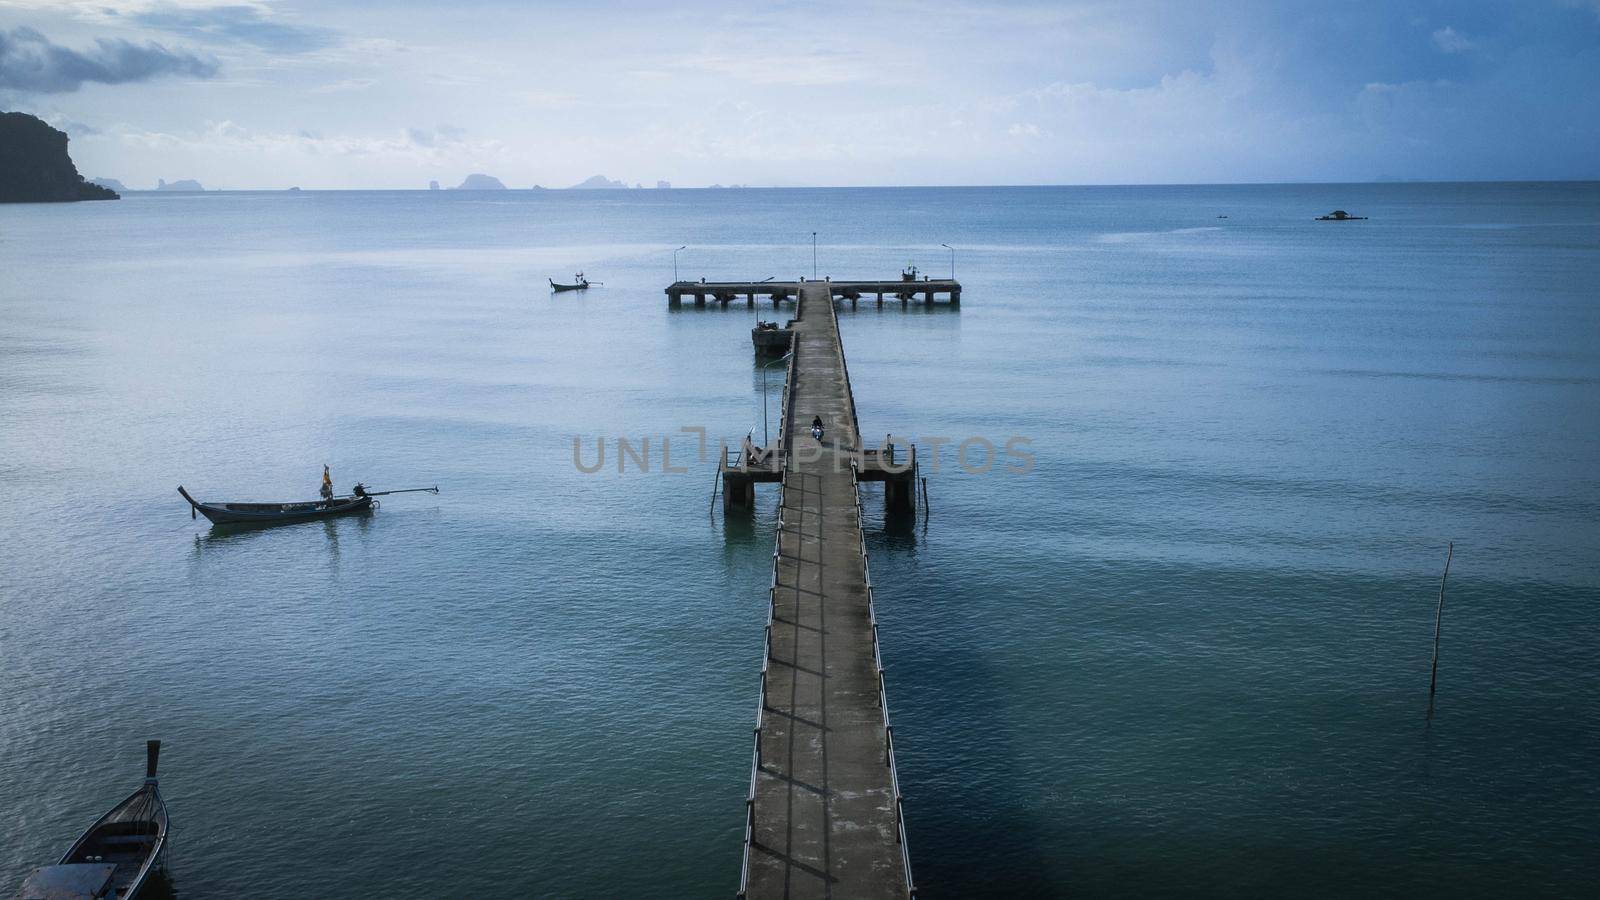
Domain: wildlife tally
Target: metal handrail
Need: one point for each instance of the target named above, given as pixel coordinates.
(784, 412)
(883, 695)
(849, 392)
(761, 704)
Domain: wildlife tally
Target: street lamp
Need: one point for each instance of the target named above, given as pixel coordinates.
(675, 262)
(952, 260)
(813, 256)
(765, 437)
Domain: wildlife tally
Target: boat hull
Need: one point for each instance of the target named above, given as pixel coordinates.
(132, 838)
(277, 513)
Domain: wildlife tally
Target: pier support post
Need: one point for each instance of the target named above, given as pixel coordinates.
(897, 494)
(738, 492)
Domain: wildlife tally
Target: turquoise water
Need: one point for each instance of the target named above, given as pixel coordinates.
(1186, 654)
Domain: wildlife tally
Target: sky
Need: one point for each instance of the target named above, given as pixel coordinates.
(366, 94)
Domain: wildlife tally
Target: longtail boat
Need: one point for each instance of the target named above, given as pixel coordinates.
(360, 500)
(277, 513)
(116, 857)
(558, 287)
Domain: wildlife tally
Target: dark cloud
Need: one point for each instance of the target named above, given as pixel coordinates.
(30, 62)
(237, 24)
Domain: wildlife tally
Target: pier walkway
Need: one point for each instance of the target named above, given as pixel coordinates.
(824, 817)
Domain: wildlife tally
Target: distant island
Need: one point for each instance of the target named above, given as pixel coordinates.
(35, 167)
(110, 184)
(477, 182)
(598, 182)
(188, 185)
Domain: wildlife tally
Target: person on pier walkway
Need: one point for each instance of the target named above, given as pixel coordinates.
(816, 427)
(327, 483)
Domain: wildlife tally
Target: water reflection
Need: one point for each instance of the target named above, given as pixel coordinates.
(159, 886)
(240, 534)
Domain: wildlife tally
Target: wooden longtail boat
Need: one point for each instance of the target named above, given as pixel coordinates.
(117, 855)
(558, 287)
(278, 513)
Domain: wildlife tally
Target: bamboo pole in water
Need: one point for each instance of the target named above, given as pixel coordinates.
(1438, 620)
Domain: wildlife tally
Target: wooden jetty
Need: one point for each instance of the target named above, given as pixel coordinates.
(725, 292)
(823, 813)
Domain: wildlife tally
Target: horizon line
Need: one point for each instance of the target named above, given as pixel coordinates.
(870, 187)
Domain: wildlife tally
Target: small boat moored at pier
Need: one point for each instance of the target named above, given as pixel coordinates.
(116, 857)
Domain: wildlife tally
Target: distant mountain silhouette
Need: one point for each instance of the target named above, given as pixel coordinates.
(182, 185)
(110, 184)
(477, 182)
(598, 182)
(433, 185)
(35, 167)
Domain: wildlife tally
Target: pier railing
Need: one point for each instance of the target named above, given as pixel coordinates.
(849, 392)
(761, 699)
(883, 693)
(785, 412)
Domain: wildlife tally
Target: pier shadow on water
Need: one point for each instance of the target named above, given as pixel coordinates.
(969, 837)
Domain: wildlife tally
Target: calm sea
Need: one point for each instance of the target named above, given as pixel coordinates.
(1186, 655)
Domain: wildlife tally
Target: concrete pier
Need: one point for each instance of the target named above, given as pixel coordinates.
(771, 340)
(823, 814)
(903, 292)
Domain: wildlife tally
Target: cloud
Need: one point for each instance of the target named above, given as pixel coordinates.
(239, 24)
(30, 62)
(349, 84)
(1449, 40)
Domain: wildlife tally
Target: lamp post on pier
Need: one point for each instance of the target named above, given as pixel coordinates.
(766, 438)
(952, 260)
(813, 256)
(675, 262)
